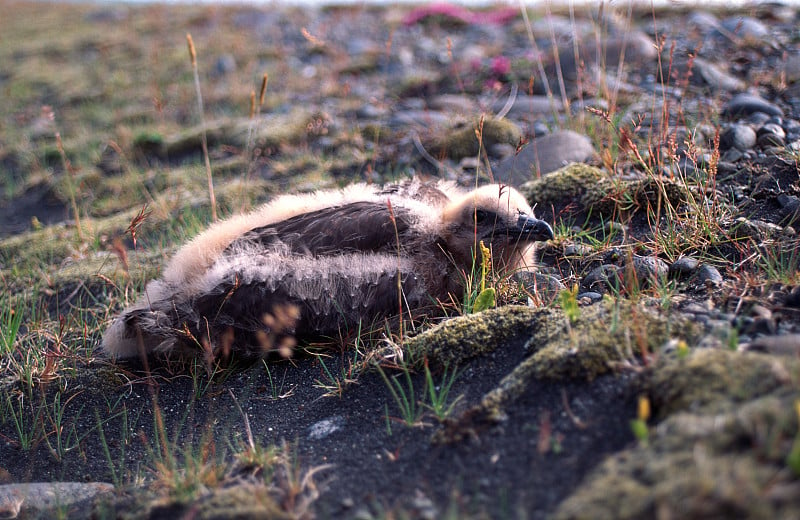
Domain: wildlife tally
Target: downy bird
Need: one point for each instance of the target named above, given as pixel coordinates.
(319, 265)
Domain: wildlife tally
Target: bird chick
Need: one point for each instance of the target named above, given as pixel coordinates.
(322, 264)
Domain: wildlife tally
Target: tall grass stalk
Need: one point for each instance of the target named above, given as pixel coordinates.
(68, 171)
(203, 138)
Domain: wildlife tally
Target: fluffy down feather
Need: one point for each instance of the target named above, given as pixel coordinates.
(318, 265)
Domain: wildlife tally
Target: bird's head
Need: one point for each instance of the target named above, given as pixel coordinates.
(499, 216)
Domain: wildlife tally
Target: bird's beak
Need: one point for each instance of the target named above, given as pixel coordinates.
(533, 229)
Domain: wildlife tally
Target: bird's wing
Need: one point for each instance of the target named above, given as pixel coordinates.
(361, 226)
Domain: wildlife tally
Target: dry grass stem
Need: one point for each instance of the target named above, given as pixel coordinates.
(203, 137)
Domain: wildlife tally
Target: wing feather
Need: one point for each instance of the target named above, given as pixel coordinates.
(350, 228)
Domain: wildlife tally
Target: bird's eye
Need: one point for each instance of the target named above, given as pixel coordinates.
(481, 216)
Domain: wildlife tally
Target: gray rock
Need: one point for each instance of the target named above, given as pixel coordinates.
(771, 134)
(40, 497)
(649, 269)
(739, 136)
(757, 119)
(325, 427)
(226, 64)
(455, 104)
(544, 155)
(590, 297)
(603, 279)
(745, 104)
(684, 266)
(716, 78)
(428, 119)
(709, 276)
(545, 286)
(371, 111)
(745, 27)
(784, 345)
(790, 208)
(530, 107)
(791, 68)
(635, 47)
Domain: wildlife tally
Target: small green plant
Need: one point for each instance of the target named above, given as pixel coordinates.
(437, 395)
(480, 298)
(781, 262)
(403, 395)
(10, 321)
(333, 384)
(568, 299)
(28, 429)
(793, 459)
(639, 425)
(116, 475)
(65, 440)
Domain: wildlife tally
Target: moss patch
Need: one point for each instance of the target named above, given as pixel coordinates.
(593, 191)
(562, 186)
(608, 197)
(603, 336)
(723, 455)
(465, 337)
(240, 501)
(710, 380)
(463, 142)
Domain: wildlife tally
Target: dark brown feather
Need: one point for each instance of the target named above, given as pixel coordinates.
(354, 227)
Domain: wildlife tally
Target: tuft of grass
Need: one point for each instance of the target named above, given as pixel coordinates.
(403, 395)
(438, 394)
(10, 321)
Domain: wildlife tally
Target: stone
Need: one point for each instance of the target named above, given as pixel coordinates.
(530, 107)
(684, 266)
(746, 104)
(26, 499)
(649, 269)
(225, 64)
(745, 27)
(783, 345)
(739, 136)
(709, 276)
(544, 155)
(325, 427)
(603, 279)
(544, 286)
(771, 134)
(715, 77)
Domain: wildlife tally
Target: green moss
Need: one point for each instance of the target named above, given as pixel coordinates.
(720, 452)
(564, 185)
(607, 197)
(240, 501)
(463, 142)
(601, 337)
(703, 379)
(465, 337)
(594, 191)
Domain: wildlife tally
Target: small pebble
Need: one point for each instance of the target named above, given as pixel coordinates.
(684, 266)
(709, 276)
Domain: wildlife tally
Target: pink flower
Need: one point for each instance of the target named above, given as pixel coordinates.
(500, 66)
